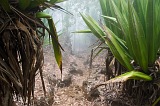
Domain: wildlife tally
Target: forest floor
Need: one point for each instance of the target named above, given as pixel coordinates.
(72, 90)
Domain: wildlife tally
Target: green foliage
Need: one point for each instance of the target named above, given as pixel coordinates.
(131, 30)
(131, 75)
(83, 31)
(53, 32)
(54, 37)
(55, 43)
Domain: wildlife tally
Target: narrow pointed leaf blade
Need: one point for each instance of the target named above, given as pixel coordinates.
(149, 33)
(56, 46)
(42, 15)
(83, 31)
(137, 39)
(117, 49)
(93, 26)
(136, 75)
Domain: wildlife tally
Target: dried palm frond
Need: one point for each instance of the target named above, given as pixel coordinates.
(21, 55)
(21, 52)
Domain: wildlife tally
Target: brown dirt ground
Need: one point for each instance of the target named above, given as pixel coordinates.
(72, 95)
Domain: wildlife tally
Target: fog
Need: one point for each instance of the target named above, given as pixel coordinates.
(67, 23)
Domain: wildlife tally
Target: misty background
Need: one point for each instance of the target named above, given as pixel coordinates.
(67, 23)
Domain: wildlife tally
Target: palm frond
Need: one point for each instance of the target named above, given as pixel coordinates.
(21, 52)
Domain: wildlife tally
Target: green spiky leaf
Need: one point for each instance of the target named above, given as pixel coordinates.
(83, 31)
(43, 15)
(56, 46)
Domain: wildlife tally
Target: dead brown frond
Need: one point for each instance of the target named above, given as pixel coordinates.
(21, 56)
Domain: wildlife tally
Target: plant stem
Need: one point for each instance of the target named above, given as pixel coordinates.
(154, 104)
